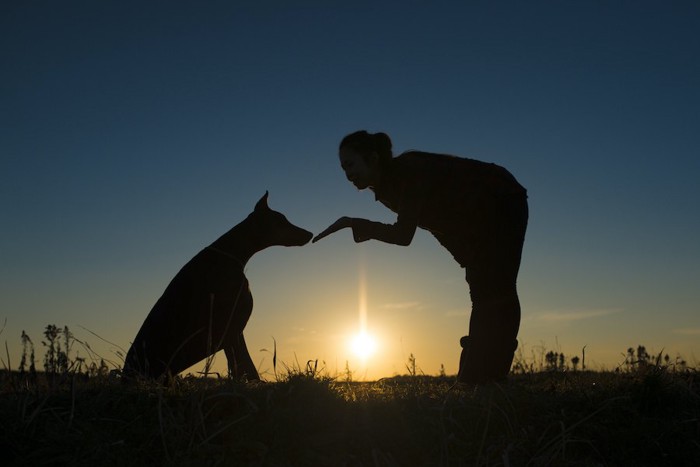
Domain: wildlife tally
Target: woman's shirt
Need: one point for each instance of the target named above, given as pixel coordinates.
(456, 199)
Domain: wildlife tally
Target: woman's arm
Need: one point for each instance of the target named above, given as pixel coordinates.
(400, 233)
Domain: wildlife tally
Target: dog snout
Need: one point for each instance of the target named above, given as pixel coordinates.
(296, 237)
(305, 237)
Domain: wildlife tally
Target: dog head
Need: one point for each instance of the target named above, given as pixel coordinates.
(276, 228)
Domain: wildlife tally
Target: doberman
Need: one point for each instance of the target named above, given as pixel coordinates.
(206, 306)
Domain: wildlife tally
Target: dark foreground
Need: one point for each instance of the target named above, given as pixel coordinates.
(647, 417)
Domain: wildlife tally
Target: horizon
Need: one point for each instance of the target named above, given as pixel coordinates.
(540, 359)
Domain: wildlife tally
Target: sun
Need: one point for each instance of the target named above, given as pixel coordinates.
(363, 345)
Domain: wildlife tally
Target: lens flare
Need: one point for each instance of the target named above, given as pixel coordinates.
(362, 344)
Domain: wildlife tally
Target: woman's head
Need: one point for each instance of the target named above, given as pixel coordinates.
(367, 143)
(363, 156)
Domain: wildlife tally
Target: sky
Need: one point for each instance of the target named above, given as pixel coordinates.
(133, 134)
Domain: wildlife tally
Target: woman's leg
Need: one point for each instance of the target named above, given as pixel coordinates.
(488, 351)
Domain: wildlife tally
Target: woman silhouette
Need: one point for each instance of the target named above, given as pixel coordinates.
(477, 210)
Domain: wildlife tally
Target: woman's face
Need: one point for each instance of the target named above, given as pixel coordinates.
(362, 173)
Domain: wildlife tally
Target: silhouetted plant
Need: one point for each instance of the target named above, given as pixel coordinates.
(555, 361)
(56, 358)
(411, 365)
(347, 374)
(629, 358)
(78, 364)
(53, 346)
(574, 362)
(643, 357)
(27, 346)
(681, 365)
(98, 371)
(640, 358)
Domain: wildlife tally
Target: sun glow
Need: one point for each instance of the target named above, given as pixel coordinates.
(364, 345)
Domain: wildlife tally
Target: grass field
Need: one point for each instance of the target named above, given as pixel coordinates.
(647, 415)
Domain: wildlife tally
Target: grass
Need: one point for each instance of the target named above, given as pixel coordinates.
(647, 416)
(546, 413)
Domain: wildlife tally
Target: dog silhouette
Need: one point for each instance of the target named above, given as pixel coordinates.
(207, 304)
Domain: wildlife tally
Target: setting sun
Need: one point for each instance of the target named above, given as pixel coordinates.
(363, 345)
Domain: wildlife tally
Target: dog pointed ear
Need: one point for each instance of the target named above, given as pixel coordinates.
(262, 204)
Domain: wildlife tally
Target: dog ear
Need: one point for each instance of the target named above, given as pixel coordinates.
(262, 204)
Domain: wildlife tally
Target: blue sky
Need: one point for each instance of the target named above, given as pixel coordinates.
(132, 135)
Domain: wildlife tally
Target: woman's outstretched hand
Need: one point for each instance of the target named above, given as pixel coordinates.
(342, 223)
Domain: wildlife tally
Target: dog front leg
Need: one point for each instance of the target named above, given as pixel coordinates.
(239, 362)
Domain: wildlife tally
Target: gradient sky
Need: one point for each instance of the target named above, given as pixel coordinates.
(132, 134)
